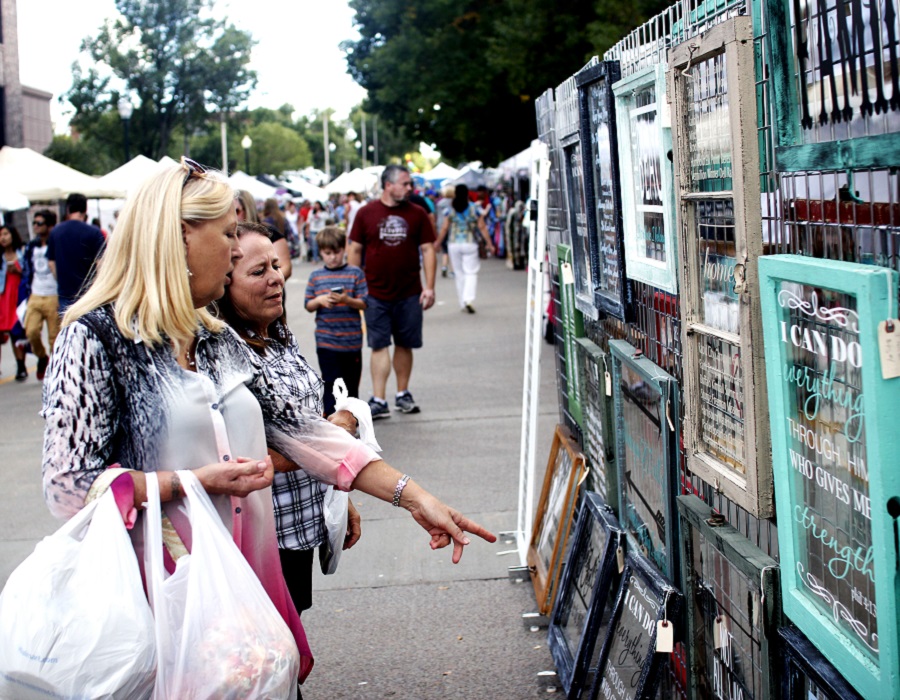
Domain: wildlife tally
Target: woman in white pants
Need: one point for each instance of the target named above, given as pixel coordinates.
(464, 222)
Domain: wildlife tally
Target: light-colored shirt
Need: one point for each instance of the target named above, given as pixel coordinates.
(44, 283)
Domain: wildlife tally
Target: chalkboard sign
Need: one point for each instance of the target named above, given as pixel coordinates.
(629, 663)
(806, 674)
(587, 594)
(646, 409)
(553, 520)
(732, 607)
(612, 291)
(834, 447)
(594, 369)
(648, 203)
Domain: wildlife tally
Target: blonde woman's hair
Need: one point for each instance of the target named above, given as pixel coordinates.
(144, 268)
(248, 203)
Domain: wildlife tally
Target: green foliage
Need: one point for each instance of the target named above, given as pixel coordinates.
(176, 63)
(82, 154)
(276, 148)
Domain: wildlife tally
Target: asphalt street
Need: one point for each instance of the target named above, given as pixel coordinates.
(397, 620)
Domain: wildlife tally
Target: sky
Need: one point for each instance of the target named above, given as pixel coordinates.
(297, 58)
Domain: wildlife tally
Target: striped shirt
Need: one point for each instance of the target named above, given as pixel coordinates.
(340, 327)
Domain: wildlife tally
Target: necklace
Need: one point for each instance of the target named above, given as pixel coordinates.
(190, 356)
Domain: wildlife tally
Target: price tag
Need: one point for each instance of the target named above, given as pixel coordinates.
(665, 637)
(620, 559)
(889, 348)
(565, 271)
(720, 632)
(608, 379)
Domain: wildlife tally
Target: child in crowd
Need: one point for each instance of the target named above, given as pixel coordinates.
(337, 293)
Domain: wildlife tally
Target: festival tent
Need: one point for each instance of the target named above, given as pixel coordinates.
(129, 176)
(305, 190)
(441, 172)
(11, 200)
(43, 179)
(260, 191)
(355, 181)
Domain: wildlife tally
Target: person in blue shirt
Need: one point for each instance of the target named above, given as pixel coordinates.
(72, 250)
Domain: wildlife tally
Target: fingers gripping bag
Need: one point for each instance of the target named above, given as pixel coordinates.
(218, 635)
(74, 620)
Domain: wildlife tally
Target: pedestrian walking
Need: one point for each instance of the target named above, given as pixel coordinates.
(11, 265)
(72, 250)
(39, 288)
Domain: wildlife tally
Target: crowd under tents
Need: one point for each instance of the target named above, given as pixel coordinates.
(358, 180)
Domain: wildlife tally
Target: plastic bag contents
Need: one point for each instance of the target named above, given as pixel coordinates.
(74, 620)
(218, 634)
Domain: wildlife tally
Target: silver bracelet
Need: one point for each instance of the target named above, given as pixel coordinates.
(399, 489)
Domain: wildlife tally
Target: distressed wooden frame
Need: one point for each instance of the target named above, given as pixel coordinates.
(758, 569)
(573, 664)
(752, 489)
(666, 387)
(599, 441)
(670, 603)
(875, 151)
(545, 578)
(801, 659)
(602, 76)
(662, 275)
(572, 328)
(875, 291)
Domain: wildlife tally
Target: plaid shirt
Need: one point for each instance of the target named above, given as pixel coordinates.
(297, 497)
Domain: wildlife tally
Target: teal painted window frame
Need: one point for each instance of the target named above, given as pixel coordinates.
(875, 291)
(877, 151)
(623, 353)
(663, 275)
(573, 328)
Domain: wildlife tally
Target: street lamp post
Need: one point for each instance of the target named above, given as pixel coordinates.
(126, 109)
(246, 144)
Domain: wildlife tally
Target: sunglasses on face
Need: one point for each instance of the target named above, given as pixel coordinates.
(38, 223)
(193, 168)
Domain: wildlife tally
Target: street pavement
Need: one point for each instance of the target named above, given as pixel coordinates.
(397, 620)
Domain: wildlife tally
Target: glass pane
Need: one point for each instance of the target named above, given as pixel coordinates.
(601, 149)
(722, 401)
(646, 155)
(556, 502)
(581, 253)
(835, 565)
(709, 128)
(719, 305)
(644, 465)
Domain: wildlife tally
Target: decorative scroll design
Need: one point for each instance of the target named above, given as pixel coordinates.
(838, 609)
(845, 318)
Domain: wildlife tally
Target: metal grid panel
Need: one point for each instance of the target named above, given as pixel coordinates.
(545, 107)
(648, 45)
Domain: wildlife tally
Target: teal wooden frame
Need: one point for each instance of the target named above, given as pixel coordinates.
(660, 275)
(878, 151)
(875, 290)
(573, 328)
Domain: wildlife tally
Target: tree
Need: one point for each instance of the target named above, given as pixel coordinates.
(276, 148)
(174, 59)
(82, 154)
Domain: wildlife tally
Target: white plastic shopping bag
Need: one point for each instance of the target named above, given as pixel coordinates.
(74, 620)
(218, 635)
(335, 507)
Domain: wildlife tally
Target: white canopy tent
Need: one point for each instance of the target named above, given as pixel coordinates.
(129, 176)
(260, 191)
(356, 180)
(305, 190)
(43, 179)
(10, 200)
(441, 172)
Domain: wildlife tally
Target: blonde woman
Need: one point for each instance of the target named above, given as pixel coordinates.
(144, 377)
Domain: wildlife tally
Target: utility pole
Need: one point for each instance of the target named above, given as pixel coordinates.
(375, 129)
(363, 141)
(325, 144)
(224, 144)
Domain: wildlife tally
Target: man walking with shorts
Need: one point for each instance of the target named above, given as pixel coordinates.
(385, 240)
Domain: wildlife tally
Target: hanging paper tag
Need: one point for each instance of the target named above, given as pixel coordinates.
(620, 559)
(889, 348)
(608, 383)
(665, 637)
(720, 632)
(568, 277)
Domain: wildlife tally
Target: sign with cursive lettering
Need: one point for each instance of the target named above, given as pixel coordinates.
(646, 409)
(629, 664)
(587, 594)
(595, 370)
(834, 471)
(612, 291)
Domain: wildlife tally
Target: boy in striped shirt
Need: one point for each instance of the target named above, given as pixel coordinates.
(337, 293)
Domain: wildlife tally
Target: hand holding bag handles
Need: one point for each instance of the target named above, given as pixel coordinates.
(218, 635)
(74, 621)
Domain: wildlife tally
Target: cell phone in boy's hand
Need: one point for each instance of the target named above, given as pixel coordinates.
(337, 290)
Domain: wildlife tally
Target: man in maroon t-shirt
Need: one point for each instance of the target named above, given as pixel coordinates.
(388, 234)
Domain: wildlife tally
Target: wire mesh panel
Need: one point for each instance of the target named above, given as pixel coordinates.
(599, 424)
(648, 44)
(545, 107)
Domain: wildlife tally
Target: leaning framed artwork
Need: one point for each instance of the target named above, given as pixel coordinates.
(806, 674)
(587, 595)
(834, 448)
(554, 515)
(648, 205)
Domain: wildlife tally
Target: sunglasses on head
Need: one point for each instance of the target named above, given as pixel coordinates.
(193, 168)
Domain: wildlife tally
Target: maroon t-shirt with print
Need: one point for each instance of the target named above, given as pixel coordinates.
(391, 237)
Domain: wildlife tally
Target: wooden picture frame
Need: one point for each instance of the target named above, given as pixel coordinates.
(646, 409)
(733, 607)
(629, 663)
(599, 434)
(553, 519)
(849, 118)
(806, 674)
(612, 291)
(726, 432)
(645, 143)
(834, 448)
(586, 595)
